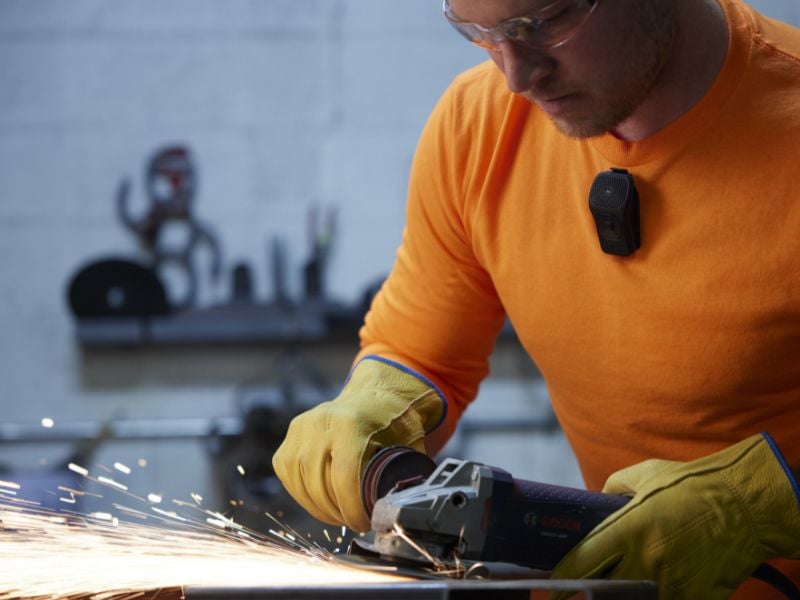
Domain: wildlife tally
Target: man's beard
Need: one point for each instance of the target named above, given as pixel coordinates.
(649, 48)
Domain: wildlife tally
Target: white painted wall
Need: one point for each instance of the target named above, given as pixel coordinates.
(285, 103)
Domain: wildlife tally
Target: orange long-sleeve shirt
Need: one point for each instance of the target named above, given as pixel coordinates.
(685, 347)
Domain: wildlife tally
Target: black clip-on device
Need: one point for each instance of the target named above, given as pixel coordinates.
(614, 202)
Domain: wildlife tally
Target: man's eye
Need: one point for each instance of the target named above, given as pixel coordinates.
(554, 16)
(524, 27)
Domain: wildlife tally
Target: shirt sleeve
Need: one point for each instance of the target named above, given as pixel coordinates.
(438, 312)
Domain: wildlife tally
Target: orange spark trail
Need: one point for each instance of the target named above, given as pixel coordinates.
(49, 554)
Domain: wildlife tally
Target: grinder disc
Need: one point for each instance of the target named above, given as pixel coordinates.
(396, 466)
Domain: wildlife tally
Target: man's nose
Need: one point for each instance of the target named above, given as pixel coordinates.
(522, 67)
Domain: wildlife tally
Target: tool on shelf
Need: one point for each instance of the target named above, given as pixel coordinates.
(170, 184)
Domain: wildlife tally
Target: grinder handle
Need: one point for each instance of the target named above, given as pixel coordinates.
(596, 502)
(536, 524)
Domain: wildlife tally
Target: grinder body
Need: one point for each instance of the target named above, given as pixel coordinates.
(463, 510)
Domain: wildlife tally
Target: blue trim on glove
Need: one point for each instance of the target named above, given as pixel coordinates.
(413, 373)
(784, 465)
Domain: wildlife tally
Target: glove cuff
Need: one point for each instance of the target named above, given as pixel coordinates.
(785, 466)
(771, 496)
(379, 373)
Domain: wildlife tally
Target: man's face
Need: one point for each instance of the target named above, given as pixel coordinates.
(597, 78)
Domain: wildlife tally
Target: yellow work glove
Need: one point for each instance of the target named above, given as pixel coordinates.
(698, 529)
(326, 448)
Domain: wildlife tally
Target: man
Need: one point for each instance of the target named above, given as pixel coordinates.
(683, 350)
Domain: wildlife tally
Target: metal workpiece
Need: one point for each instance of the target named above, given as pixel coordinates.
(589, 589)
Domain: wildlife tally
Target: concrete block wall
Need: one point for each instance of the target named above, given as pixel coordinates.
(285, 104)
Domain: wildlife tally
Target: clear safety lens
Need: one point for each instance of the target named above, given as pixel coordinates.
(549, 27)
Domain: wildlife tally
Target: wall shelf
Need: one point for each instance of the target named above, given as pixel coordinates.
(229, 324)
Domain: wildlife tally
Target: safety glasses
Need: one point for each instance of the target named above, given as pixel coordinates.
(549, 27)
